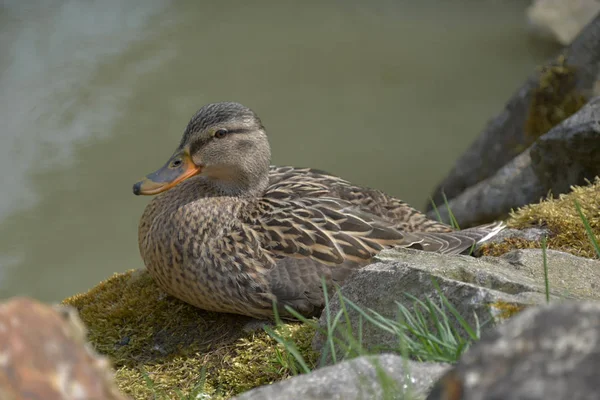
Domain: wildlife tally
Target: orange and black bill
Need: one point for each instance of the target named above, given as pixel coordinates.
(179, 168)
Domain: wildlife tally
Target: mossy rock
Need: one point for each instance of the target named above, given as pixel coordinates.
(164, 348)
(561, 219)
(555, 99)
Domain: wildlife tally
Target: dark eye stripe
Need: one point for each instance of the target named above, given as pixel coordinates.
(240, 130)
(199, 143)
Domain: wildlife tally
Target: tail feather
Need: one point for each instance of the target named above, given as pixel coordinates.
(458, 241)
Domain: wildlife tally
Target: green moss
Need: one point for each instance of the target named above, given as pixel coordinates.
(559, 216)
(554, 100)
(260, 360)
(147, 334)
(509, 244)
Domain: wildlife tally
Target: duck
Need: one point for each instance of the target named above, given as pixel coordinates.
(229, 232)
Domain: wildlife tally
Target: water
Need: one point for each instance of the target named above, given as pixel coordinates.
(95, 94)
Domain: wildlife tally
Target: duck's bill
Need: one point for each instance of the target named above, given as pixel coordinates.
(167, 177)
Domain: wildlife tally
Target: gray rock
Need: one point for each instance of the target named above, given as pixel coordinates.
(504, 136)
(568, 154)
(370, 377)
(489, 287)
(550, 353)
(512, 186)
(563, 157)
(465, 281)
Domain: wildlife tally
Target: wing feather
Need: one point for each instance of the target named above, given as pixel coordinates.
(309, 213)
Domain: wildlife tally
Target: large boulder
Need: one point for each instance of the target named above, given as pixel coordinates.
(485, 289)
(548, 97)
(545, 353)
(44, 355)
(565, 156)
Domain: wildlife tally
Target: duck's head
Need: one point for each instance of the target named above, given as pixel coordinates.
(223, 142)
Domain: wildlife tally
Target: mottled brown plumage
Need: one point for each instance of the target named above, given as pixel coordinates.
(233, 234)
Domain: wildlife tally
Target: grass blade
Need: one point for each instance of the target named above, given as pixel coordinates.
(453, 221)
(435, 210)
(588, 228)
(545, 261)
(291, 348)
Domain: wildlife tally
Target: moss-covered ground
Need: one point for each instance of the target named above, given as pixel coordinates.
(160, 345)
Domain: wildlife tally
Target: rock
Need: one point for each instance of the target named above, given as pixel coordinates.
(359, 378)
(568, 154)
(549, 96)
(491, 288)
(565, 156)
(514, 185)
(549, 353)
(568, 275)
(561, 20)
(43, 355)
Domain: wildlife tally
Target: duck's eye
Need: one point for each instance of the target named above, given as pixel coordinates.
(220, 133)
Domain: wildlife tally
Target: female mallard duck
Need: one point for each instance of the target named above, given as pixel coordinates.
(233, 234)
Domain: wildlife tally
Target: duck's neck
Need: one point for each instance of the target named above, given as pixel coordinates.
(236, 189)
(222, 182)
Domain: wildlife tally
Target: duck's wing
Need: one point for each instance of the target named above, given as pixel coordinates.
(456, 242)
(333, 230)
(307, 182)
(327, 230)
